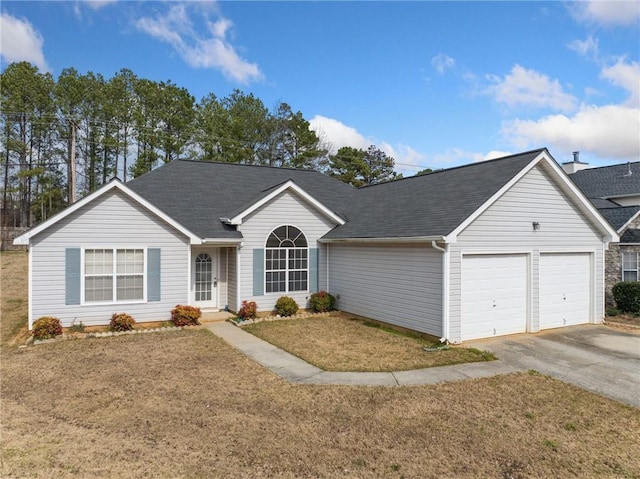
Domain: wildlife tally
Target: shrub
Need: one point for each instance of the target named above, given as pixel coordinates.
(627, 296)
(46, 327)
(248, 310)
(612, 312)
(322, 301)
(121, 322)
(286, 306)
(183, 315)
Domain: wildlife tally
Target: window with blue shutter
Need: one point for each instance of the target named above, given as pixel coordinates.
(72, 284)
(153, 274)
(258, 272)
(313, 270)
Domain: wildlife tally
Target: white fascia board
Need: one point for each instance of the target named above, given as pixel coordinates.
(25, 238)
(400, 239)
(222, 241)
(578, 196)
(289, 185)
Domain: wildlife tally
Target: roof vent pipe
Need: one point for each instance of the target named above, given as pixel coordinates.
(576, 156)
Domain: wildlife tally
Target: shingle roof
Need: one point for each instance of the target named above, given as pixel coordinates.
(198, 193)
(600, 203)
(428, 205)
(631, 236)
(618, 216)
(609, 181)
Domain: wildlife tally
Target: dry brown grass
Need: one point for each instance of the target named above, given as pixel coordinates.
(13, 297)
(342, 343)
(186, 405)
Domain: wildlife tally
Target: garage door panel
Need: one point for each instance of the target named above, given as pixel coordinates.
(565, 296)
(494, 295)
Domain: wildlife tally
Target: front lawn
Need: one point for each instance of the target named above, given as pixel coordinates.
(341, 343)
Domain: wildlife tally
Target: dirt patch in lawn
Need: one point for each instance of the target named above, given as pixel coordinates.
(340, 342)
(187, 405)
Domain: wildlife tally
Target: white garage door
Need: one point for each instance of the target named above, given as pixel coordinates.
(565, 281)
(494, 295)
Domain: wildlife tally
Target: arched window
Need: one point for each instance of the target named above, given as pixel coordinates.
(286, 265)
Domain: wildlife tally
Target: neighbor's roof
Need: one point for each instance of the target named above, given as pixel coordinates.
(198, 193)
(619, 216)
(609, 181)
(429, 205)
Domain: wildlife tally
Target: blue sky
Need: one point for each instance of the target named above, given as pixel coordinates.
(434, 84)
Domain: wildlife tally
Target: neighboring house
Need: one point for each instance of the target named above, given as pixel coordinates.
(492, 248)
(615, 192)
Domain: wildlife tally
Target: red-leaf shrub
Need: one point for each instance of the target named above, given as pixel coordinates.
(183, 315)
(121, 322)
(322, 301)
(248, 310)
(46, 327)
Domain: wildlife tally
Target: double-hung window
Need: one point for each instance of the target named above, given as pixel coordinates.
(630, 267)
(286, 261)
(113, 275)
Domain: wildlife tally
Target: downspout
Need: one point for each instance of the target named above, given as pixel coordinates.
(445, 289)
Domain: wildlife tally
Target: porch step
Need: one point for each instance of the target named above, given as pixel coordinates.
(211, 316)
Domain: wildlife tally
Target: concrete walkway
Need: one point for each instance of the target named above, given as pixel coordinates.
(295, 370)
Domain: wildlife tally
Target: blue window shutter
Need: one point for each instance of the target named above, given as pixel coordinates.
(72, 275)
(153, 274)
(313, 270)
(258, 272)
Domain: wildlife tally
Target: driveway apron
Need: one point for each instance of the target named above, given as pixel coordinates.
(593, 357)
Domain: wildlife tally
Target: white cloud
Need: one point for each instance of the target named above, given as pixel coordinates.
(337, 134)
(493, 154)
(408, 161)
(442, 62)
(198, 50)
(19, 41)
(523, 87)
(626, 76)
(609, 131)
(589, 46)
(606, 12)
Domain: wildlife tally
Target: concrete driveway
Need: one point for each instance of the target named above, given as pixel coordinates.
(594, 357)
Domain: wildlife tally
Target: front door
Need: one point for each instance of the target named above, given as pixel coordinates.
(205, 279)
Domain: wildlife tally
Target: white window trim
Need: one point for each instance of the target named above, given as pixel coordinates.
(84, 302)
(623, 270)
(287, 270)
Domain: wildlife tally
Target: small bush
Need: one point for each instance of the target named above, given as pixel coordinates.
(121, 322)
(612, 312)
(627, 296)
(248, 310)
(183, 315)
(46, 327)
(286, 306)
(322, 301)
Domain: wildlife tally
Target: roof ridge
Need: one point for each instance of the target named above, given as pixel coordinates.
(459, 167)
(189, 160)
(606, 166)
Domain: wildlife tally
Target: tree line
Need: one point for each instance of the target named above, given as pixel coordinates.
(62, 138)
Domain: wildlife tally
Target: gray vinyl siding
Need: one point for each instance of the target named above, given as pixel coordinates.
(286, 209)
(111, 221)
(232, 293)
(507, 226)
(398, 284)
